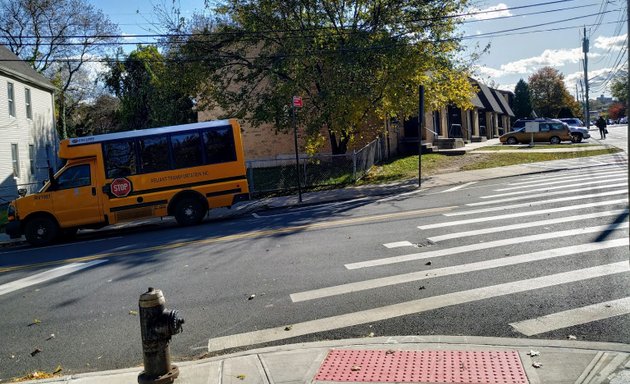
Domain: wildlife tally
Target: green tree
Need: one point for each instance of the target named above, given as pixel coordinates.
(57, 38)
(353, 62)
(619, 89)
(549, 95)
(147, 85)
(522, 101)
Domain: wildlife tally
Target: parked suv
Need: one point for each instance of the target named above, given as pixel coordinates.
(578, 130)
(553, 131)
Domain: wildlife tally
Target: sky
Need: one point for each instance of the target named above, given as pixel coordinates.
(523, 36)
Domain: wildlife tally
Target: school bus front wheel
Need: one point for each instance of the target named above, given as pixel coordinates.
(40, 230)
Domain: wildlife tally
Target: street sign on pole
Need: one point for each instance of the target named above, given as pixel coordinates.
(297, 101)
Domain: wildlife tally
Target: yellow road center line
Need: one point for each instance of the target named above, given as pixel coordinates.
(239, 236)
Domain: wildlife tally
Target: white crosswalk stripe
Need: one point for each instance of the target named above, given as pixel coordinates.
(564, 192)
(486, 245)
(458, 269)
(522, 214)
(46, 276)
(563, 199)
(604, 241)
(530, 224)
(577, 316)
(560, 180)
(412, 307)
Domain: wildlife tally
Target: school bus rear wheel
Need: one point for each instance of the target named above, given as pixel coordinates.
(41, 230)
(189, 211)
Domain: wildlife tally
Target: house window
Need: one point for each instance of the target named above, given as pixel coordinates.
(16, 160)
(11, 99)
(31, 157)
(27, 100)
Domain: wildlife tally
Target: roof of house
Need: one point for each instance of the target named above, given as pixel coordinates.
(503, 103)
(13, 66)
(487, 98)
(476, 101)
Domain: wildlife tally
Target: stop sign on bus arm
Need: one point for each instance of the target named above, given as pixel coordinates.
(120, 187)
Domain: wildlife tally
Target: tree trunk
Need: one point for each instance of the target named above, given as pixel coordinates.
(338, 147)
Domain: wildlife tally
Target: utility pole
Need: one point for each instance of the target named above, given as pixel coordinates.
(420, 125)
(585, 50)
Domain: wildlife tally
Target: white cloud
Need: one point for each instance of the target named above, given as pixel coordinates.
(492, 73)
(524, 67)
(499, 10)
(549, 57)
(128, 37)
(614, 43)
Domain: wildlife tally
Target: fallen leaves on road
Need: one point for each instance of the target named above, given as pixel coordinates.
(390, 352)
(52, 336)
(537, 365)
(241, 377)
(533, 353)
(421, 288)
(355, 368)
(35, 322)
(251, 297)
(34, 376)
(133, 313)
(428, 263)
(572, 337)
(288, 327)
(57, 370)
(36, 351)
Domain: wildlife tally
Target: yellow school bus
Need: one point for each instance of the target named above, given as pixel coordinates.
(181, 171)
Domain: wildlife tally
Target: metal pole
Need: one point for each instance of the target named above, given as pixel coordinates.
(420, 124)
(297, 156)
(585, 50)
(628, 88)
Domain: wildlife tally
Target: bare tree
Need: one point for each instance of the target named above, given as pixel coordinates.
(57, 37)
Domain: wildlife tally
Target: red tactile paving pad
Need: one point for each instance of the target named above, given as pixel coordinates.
(469, 367)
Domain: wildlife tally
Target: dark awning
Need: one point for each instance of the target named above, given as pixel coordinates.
(503, 103)
(477, 102)
(487, 98)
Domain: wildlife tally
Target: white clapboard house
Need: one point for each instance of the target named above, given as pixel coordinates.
(28, 138)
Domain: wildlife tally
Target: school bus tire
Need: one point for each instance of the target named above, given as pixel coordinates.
(189, 210)
(41, 230)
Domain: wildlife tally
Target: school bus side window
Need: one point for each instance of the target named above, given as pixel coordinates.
(74, 177)
(154, 155)
(120, 159)
(219, 145)
(186, 150)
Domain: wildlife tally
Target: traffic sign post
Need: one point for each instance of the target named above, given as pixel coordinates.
(120, 187)
(297, 103)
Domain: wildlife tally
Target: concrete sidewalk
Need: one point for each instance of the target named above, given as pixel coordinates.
(440, 359)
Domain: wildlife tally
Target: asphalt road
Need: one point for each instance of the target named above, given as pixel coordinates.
(549, 259)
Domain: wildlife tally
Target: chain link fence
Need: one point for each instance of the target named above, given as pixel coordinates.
(269, 176)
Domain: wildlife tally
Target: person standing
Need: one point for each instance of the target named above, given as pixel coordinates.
(601, 124)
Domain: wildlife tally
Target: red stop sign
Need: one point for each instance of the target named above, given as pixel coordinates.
(120, 187)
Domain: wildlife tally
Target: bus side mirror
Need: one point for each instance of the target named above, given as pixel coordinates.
(51, 177)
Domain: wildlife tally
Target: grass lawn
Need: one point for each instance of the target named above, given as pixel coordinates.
(407, 167)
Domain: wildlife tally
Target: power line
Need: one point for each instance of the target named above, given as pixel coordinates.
(461, 15)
